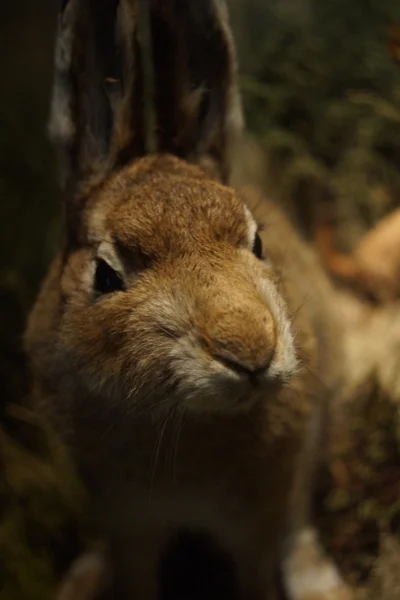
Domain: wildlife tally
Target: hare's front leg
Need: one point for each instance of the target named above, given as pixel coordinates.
(308, 572)
(86, 579)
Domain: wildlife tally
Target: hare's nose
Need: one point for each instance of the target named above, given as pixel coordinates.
(242, 338)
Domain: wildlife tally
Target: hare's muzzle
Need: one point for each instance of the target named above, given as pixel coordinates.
(235, 340)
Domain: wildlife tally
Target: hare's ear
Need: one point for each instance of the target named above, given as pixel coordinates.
(197, 101)
(96, 114)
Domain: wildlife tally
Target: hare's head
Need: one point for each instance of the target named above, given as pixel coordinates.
(165, 296)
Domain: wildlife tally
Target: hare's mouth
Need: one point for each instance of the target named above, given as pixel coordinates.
(220, 382)
(254, 374)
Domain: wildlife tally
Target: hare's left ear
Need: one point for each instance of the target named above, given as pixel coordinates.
(96, 113)
(197, 102)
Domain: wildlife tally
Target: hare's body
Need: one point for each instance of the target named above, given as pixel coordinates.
(158, 470)
(188, 375)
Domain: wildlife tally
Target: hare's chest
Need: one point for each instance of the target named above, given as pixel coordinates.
(198, 540)
(181, 546)
(212, 515)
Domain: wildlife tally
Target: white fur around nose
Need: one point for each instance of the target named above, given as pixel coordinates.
(285, 363)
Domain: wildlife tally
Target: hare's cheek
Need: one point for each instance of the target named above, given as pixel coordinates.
(77, 276)
(93, 335)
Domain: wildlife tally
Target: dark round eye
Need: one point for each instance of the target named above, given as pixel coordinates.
(257, 246)
(106, 279)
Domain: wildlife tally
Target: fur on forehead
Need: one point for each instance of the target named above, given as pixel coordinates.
(161, 202)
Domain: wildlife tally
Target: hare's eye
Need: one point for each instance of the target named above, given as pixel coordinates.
(106, 279)
(257, 246)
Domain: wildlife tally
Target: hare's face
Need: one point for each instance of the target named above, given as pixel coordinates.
(167, 299)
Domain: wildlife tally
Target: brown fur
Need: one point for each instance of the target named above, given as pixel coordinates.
(184, 398)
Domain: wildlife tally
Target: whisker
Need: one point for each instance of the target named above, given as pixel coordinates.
(149, 408)
(296, 312)
(167, 331)
(310, 370)
(178, 431)
(157, 453)
(282, 265)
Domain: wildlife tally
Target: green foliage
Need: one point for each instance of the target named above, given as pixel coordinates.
(325, 100)
(29, 198)
(41, 505)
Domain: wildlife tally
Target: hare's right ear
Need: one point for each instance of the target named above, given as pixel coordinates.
(197, 101)
(96, 114)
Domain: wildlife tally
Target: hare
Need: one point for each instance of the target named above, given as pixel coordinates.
(185, 354)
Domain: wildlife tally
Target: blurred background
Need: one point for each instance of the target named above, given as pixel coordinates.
(29, 201)
(320, 81)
